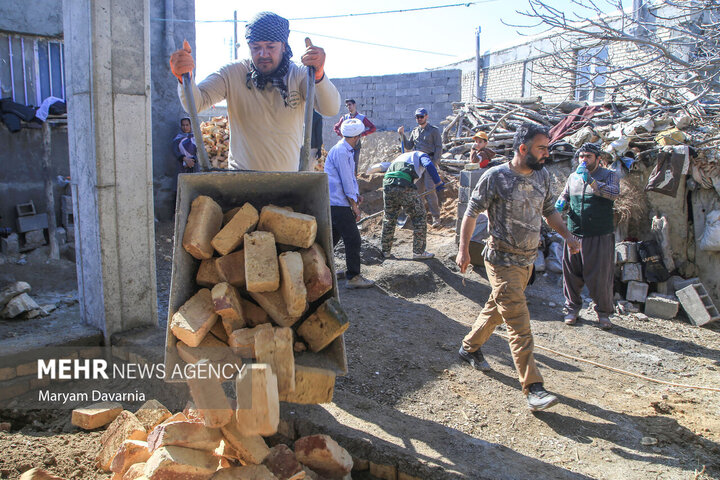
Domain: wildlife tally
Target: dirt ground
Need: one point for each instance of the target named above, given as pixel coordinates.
(402, 356)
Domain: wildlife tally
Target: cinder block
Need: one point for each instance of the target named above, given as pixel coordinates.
(254, 315)
(204, 222)
(242, 341)
(231, 235)
(32, 222)
(125, 427)
(626, 252)
(251, 449)
(25, 209)
(464, 194)
(316, 274)
(10, 245)
(262, 273)
(274, 346)
(292, 286)
(322, 327)
(289, 228)
(209, 397)
(312, 386)
(129, 453)
(636, 291)
(661, 307)
(194, 319)
(226, 301)
(151, 414)
(631, 272)
(258, 405)
(274, 304)
(96, 415)
(209, 275)
(181, 462)
(698, 305)
(679, 283)
(184, 434)
(323, 455)
(232, 268)
(70, 232)
(34, 239)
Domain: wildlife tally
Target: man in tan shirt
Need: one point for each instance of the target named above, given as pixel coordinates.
(265, 95)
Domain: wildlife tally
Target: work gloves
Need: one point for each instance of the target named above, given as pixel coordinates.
(440, 187)
(560, 204)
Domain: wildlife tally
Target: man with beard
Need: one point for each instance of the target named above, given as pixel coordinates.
(516, 195)
(265, 95)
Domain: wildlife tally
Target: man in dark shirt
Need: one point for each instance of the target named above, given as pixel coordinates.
(369, 127)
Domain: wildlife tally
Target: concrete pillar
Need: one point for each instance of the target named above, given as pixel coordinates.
(107, 67)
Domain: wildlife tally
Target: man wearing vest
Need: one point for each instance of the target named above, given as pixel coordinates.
(369, 127)
(399, 191)
(589, 194)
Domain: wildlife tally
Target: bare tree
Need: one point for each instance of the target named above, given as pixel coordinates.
(662, 54)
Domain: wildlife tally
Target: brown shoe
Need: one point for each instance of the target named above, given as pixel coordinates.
(605, 323)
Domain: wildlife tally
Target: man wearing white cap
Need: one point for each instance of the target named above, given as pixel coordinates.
(345, 198)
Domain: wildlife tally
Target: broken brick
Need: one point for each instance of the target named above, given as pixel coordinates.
(193, 320)
(96, 415)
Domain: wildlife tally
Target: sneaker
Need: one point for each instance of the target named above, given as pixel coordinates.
(570, 318)
(540, 399)
(605, 323)
(423, 256)
(475, 359)
(358, 281)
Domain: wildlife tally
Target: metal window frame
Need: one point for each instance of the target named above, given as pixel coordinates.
(29, 73)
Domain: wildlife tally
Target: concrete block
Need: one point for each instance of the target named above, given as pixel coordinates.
(226, 301)
(210, 400)
(25, 209)
(289, 228)
(129, 453)
(67, 220)
(70, 232)
(181, 462)
(274, 346)
(184, 434)
(274, 304)
(292, 285)
(232, 268)
(251, 449)
(204, 222)
(151, 414)
(242, 341)
(254, 315)
(636, 291)
(34, 239)
(660, 307)
(212, 349)
(209, 275)
(626, 252)
(10, 245)
(66, 204)
(323, 455)
(258, 405)
(192, 322)
(316, 274)
(322, 327)
(232, 234)
(678, 283)
(96, 415)
(469, 178)
(282, 463)
(262, 273)
(464, 194)
(125, 427)
(698, 305)
(32, 222)
(312, 386)
(631, 272)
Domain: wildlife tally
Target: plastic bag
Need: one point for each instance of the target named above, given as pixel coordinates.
(710, 239)
(553, 262)
(651, 258)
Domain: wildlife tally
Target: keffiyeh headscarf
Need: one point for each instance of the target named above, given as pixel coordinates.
(269, 27)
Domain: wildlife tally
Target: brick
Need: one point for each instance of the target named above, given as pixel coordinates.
(254, 315)
(227, 216)
(226, 301)
(405, 476)
(176, 417)
(32, 222)
(218, 331)
(232, 234)
(169, 463)
(258, 405)
(135, 472)
(274, 304)
(19, 305)
(323, 455)
(152, 413)
(626, 252)
(289, 228)
(191, 413)
(660, 307)
(232, 268)
(209, 398)
(204, 222)
(29, 368)
(250, 449)
(282, 463)
(292, 285)
(247, 472)
(274, 346)
(184, 434)
(322, 327)
(125, 427)
(96, 415)
(209, 275)
(312, 386)
(129, 453)
(38, 474)
(636, 291)
(13, 290)
(631, 272)
(384, 472)
(242, 341)
(360, 465)
(213, 350)
(7, 373)
(262, 273)
(193, 321)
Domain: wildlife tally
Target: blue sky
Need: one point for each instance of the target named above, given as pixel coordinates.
(447, 31)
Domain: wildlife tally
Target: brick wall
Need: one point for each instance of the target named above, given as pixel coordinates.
(390, 100)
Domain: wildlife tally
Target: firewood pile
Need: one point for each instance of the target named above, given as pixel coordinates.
(216, 138)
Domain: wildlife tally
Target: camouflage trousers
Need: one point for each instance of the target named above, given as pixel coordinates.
(396, 198)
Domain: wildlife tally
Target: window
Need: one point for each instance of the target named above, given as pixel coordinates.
(31, 69)
(590, 74)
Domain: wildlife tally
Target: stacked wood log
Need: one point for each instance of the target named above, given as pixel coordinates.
(216, 138)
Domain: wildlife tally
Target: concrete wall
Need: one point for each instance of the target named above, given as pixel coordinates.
(38, 17)
(390, 100)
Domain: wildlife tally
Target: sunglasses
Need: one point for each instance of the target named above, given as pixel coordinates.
(419, 116)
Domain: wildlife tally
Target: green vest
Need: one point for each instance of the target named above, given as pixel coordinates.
(401, 174)
(590, 215)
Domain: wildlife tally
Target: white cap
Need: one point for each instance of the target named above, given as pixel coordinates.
(352, 127)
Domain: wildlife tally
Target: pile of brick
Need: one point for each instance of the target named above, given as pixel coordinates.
(15, 302)
(216, 138)
(204, 444)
